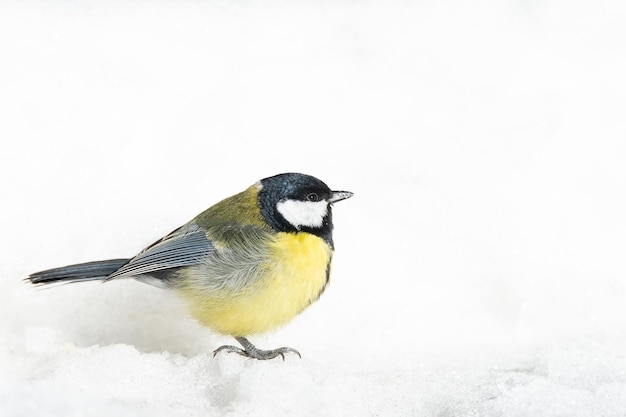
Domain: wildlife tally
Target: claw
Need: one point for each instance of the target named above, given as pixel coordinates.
(251, 351)
(229, 349)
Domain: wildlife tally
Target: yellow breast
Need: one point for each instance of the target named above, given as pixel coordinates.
(295, 273)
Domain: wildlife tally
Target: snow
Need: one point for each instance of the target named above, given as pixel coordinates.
(479, 267)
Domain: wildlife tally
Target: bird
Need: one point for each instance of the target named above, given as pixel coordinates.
(244, 266)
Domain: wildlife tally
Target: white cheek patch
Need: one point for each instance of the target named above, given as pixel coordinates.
(303, 213)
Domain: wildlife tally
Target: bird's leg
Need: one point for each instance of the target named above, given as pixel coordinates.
(251, 351)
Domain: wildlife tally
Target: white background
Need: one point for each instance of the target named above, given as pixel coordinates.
(479, 268)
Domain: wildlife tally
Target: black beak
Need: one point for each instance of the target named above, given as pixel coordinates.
(340, 195)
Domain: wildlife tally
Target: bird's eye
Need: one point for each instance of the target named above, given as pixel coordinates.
(312, 197)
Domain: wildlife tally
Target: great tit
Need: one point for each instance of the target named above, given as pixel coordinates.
(246, 265)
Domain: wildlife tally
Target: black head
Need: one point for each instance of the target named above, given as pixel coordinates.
(298, 202)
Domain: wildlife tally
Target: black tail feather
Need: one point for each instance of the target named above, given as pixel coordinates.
(90, 271)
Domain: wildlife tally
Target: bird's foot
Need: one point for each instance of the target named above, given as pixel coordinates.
(251, 351)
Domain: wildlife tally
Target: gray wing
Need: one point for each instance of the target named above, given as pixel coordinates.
(185, 246)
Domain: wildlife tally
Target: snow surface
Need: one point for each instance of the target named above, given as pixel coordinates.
(479, 268)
